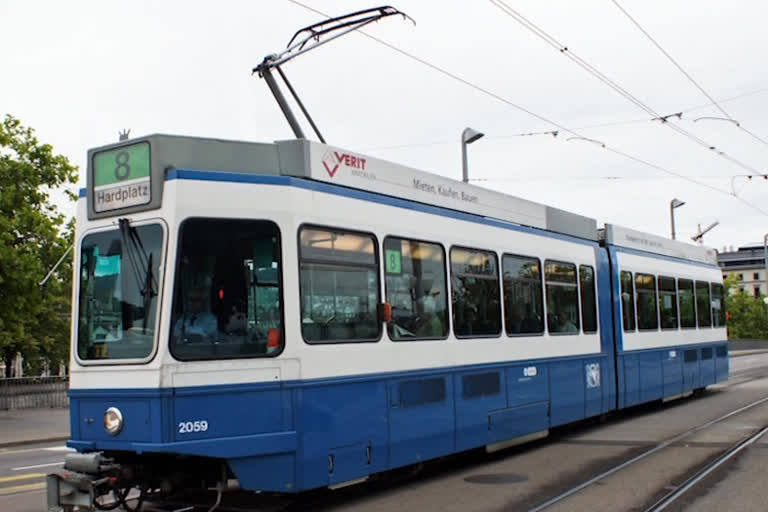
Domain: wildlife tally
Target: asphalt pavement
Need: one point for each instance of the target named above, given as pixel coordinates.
(25, 426)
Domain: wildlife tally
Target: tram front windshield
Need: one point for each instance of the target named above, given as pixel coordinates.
(119, 292)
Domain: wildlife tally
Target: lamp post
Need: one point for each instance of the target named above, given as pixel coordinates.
(468, 136)
(674, 203)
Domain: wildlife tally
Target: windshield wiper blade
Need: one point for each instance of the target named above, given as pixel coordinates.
(136, 251)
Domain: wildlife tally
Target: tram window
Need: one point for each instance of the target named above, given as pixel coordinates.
(119, 292)
(718, 305)
(668, 302)
(227, 300)
(647, 317)
(339, 286)
(562, 297)
(523, 306)
(588, 301)
(627, 301)
(703, 305)
(475, 294)
(687, 303)
(416, 289)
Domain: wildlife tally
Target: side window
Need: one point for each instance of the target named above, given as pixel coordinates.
(588, 301)
(668, 302)
(718, 305)
(687, 303)
(416, 288)
(339, 286)
(627, 301)
(475, 293)
(562, 297)
(523, 306)
(647, 318)
(703, 305)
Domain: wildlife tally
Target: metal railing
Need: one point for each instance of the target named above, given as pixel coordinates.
(33, 392)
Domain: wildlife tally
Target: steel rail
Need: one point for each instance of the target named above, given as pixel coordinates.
(700, 475)
(644, 455)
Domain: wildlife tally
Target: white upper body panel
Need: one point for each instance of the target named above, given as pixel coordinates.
(290, 207)
(650, 264)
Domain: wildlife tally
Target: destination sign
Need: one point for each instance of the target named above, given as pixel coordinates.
(122, 177)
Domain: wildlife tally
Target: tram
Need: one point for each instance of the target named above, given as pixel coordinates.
(293, 315)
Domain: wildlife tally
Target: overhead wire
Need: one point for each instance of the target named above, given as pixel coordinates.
(563, 49)
(540, 117)
(686, 74)
(585, 127)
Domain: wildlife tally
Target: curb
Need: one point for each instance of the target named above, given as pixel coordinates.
(34, 441)
(735, 353)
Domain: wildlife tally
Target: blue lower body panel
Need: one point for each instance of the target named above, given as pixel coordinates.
(299, 435)
(650, 375)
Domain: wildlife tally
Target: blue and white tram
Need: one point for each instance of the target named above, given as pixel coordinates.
(294, 315)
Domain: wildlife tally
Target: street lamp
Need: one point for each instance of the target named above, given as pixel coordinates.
(468, 136)
(674, 203)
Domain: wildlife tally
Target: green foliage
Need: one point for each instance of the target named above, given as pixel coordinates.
(748, 315)
(34, 234)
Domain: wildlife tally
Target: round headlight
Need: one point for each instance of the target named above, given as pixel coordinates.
(113, 421)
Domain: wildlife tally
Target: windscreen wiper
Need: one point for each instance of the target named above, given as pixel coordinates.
(139, 259)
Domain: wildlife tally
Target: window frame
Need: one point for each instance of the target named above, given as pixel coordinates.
(655, 301)
(377, 271)
(448, 301)
(280, 285)
(594, 295)
(576, 284)
(709, 303)
(721, 287)
(498, 289)
(695, 308)
(541, 301)
(633, 310)
(677, 308)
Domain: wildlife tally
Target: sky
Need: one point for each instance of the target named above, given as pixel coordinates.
(79, 72)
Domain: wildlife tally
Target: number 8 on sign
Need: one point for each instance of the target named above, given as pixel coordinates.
(122, 170)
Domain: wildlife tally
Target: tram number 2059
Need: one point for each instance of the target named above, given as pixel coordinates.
(187, 427)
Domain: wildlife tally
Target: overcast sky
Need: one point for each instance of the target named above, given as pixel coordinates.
(80, 71)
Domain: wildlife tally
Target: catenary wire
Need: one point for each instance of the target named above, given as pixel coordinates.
(585, 127)
(563, 49)
(531, 113)
(686, 74)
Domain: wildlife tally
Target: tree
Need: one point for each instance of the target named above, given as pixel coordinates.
(34, 234)
(748, 315)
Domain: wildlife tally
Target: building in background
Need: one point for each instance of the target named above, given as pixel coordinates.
(748, 263)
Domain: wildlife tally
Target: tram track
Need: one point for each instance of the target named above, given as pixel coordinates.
(690, 480)
(674, 495)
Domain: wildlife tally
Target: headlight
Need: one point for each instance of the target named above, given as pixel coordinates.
(113, 421)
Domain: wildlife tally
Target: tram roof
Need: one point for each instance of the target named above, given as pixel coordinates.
(108, 195)
(112, 185)
(631, 239)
